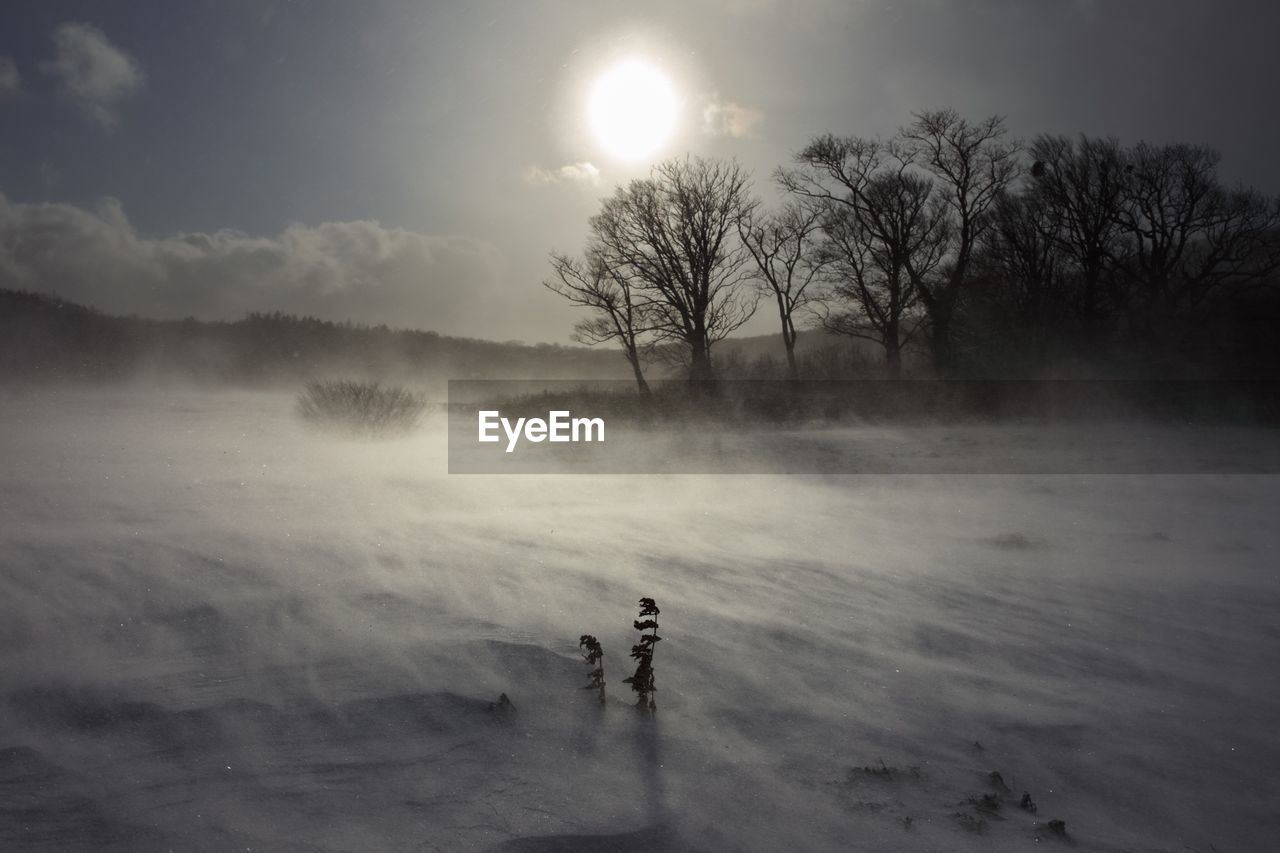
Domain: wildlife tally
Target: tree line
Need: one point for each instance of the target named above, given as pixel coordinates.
(984, 254)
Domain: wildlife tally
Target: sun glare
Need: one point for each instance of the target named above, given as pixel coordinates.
(633, 109)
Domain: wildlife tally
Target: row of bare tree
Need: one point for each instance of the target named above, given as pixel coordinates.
(901, 240)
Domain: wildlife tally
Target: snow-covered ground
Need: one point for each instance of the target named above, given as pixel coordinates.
(220, 631)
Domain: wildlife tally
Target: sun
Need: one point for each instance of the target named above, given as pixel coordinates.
(633, 109)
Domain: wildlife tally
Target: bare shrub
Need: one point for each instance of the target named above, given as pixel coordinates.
(360, 408)
(643, 680)
(594, 657)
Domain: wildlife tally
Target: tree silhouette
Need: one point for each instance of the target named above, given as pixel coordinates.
(672, 238)
(1081, 186)
(788, 258)
(973, 165)
(620, 316)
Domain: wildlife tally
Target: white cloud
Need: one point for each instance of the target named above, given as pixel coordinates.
(93, 72)
(358, 270)
(10, 82)
(578, 173)
(729, 119)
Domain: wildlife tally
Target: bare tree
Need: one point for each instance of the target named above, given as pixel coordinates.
(1020, 299)
(674, 238)
(786, 251)
(1022, 256)
(619, 316)
(973, 164)
(898, 232)
(1081, 189)
(883, 228)
(1191, 236)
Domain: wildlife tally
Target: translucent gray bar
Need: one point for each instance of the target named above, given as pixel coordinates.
(870, 427)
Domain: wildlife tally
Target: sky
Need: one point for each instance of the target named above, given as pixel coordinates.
(414, 163)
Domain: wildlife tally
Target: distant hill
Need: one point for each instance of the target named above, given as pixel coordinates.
(46, 338)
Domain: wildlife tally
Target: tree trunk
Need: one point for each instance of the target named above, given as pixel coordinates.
(893, 358)
(700, 367)
(633, 358)
(1092, 318)
(893, 348)
(788, 337)
(641, 383)
(789, 340)
(941, 346)
(700, 372)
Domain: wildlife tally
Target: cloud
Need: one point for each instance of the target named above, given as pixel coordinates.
(50, 175)
(729, 119)
(93, 72)
(577, 173)
(357, 270)
(10, 82)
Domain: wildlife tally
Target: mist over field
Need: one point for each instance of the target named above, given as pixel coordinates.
(224, 629)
